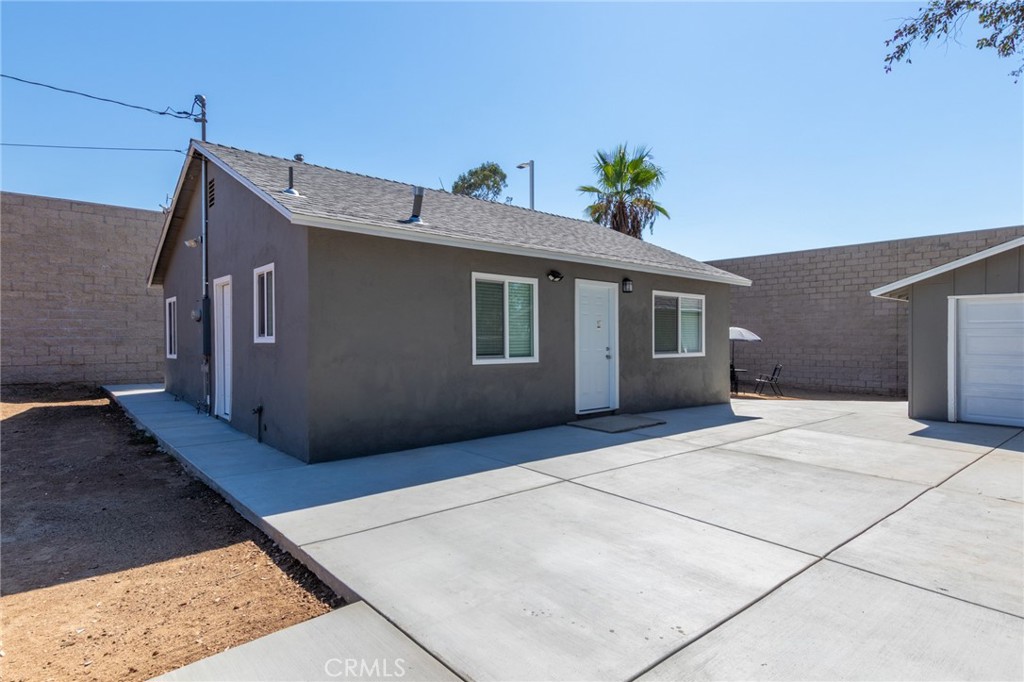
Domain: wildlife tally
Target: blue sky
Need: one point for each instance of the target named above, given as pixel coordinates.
(774, 122)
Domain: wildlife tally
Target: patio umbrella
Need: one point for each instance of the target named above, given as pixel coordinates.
(739, 334)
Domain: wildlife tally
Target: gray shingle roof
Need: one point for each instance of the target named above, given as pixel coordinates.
(338, 195)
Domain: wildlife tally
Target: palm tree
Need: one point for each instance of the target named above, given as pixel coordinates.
(622, 197)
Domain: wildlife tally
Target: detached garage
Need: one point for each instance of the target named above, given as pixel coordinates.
(966, 339)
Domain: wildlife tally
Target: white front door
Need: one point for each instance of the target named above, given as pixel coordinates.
(597, 346)
(990, 359)
(222, 347)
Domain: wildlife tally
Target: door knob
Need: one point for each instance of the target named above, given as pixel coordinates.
(609, 357)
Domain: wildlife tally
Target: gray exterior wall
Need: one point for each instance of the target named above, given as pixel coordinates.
(184, 375)
(815, 313)
(391, 347)
(245, 233)
(75, 302)
(373, 348)
(1002, 273)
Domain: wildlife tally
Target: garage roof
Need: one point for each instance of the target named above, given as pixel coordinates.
(901, 290)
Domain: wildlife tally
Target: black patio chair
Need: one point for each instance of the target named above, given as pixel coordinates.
(766, 380)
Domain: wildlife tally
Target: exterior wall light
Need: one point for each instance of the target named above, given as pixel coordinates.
(555, 276)
(627, 286)
(194, 242)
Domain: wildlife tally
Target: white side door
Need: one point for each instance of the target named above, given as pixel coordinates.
(222, 347)
(990, 359)
(597, 346)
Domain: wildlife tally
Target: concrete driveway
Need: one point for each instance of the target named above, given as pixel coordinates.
(758, 540)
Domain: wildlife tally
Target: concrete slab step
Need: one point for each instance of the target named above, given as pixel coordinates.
(351, 643)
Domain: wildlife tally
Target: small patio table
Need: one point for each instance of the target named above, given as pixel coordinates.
(734, 375)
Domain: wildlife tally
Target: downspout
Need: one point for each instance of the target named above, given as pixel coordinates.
(207, 383)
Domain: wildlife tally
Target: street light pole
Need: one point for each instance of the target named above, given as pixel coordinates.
(529, 164)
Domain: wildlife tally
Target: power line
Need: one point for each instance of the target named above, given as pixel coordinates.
(109, 149)
(166, 112)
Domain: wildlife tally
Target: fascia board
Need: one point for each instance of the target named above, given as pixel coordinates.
(170, 215)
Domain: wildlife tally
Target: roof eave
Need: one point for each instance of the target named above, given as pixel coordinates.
(150, 281)
(380, 230)
(897, 295)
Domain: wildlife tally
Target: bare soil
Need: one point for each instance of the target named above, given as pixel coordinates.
(117, 564)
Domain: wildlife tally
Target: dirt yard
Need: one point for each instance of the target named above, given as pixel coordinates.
(116, 564)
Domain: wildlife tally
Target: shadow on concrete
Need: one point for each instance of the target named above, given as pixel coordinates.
(969, 434)
(292, 488)
(1015, 444)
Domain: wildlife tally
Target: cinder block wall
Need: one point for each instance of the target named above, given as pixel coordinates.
(814, 312)
(75, 306)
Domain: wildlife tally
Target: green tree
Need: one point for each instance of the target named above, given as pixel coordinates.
(1001, 21)
(486, 181)
(622, 196)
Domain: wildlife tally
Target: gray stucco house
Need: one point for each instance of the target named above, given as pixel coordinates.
(348, 315)
(966, 345)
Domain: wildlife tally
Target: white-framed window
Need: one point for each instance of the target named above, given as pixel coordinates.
(263, 312)
(171, 327)
(678, 327)
(504, 319)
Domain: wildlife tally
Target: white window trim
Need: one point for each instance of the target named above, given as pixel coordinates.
(271, 337)
(171, 328)
(505, 279)
(703, 324)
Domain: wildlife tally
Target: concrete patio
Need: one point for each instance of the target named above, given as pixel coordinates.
(758, 540)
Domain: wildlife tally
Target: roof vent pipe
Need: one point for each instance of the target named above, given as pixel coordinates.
(417, 205)
(291, 183)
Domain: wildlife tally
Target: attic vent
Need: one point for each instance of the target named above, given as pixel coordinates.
(210, 193)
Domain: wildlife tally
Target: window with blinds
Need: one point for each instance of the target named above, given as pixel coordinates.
(691, 325)
(263, 304)
(504, 319)
(666, 327)
(678, 324)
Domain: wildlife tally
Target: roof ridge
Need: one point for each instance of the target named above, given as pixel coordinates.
(394, 182)
(521, 208)
(305, 163)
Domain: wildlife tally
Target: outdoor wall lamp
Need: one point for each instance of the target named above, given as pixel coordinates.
(627, 286)
(194, 242)
(555, 276)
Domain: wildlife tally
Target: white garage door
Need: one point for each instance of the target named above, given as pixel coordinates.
(990, 359)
